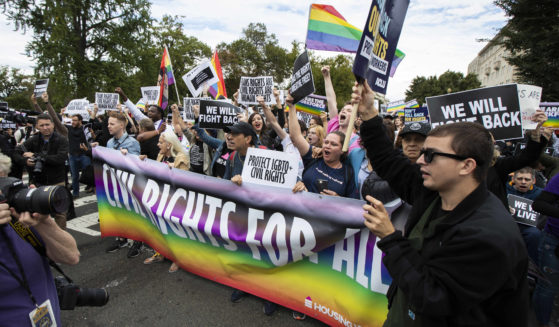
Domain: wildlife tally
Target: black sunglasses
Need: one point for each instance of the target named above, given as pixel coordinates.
(429, 154)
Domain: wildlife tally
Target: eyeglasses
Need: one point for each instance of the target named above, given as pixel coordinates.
(429, 154)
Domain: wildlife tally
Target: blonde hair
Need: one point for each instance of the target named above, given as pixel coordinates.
(176, 146)
(5, 164)
(319, 130)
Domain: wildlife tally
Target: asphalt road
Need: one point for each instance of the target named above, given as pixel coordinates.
(148, 295)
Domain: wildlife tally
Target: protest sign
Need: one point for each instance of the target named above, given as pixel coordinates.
(416, 115)
(41, 86)
(312, 104)
(529, 97)
(496, 108)
(150, 94)
(377, 46)
(305, 117)
(202, 75)
(297, 250)
(522, 210)
(251, 87)
(283, 95)
(217, 114)
(551, 109)
(188, 112)
(78, 106)
(106, 101)
(270, 168)
(302, 82)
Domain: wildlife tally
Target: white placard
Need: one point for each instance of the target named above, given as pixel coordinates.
(201, 75)
(252, 87)
(270, 168)
(529, 97)
(106, 101)
(150, 94)
(78, 106)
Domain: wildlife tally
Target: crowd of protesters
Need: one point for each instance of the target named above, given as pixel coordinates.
(455, 253)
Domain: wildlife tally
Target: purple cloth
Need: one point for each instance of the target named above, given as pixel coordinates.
(15, 304)
(552, 225)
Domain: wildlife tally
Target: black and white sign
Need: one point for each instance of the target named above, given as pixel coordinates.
(217, 114)
(188, 112)
(203, 74)
(106, 101)
(252, 87)
(78, 106)
(521, 210)
(302, 82)
(41, 86)
(270, 168)
(529, 97)
(496, 108)
(150, 94)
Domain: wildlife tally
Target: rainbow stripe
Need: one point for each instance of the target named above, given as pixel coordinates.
(312, 104)
(166, 64)
(141, 105)
(218, 88)
(328, 30)
(398, 57)
(400, 105)
(551, 109)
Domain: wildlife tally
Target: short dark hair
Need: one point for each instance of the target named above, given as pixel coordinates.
(44, 116)
(303, 126)
(526, 170)
(161, 110)
(469, 140)
(80, 118)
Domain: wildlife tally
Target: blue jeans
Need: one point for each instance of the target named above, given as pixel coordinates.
(545, 291)
(531, 236)
(77, 163)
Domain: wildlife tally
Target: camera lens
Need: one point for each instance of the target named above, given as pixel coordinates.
(92, 297)
(45, 200)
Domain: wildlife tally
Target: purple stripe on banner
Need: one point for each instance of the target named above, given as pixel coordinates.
(395, 63)
(330, 42)
(213, 90)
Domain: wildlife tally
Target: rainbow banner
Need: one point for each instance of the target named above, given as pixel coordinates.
(304, 251)
(165, 79)
(218, 88)
(312, 104)
(400, 105)
(398, 57)
(328, 30)
(551, 109)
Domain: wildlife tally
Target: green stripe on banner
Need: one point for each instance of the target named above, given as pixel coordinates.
(334, 29)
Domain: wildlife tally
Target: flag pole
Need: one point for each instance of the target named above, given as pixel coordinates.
(173, 72)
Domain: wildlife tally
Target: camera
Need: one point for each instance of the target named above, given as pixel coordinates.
(71, 295)
(49, 199)
(39, 160)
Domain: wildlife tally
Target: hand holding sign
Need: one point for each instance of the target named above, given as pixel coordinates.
(364, 98)
(539, 117)
(45, 97)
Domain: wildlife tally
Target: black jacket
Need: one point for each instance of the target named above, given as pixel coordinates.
(56, 154)
(472, 270)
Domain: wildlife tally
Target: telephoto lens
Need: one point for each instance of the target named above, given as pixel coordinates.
(51, 199)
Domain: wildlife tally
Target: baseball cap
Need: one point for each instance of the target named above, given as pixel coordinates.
(242, 128)
(421, 128)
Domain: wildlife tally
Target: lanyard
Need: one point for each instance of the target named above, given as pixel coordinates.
(119, 143)
(22, 281)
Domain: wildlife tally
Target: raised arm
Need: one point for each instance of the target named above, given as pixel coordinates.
(35, 104)
(176, 118)
(60, 128)
(295, 130)
(270, 118)
(137, 113)
(330, 93)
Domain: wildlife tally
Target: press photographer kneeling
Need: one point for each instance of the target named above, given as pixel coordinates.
(28, 295)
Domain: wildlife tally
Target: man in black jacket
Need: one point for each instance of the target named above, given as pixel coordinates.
(45, 154)
(461, 260)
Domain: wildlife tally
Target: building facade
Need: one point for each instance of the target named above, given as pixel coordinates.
(491, 66)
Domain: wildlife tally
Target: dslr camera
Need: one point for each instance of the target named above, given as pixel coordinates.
(50, 199)
(71, 295)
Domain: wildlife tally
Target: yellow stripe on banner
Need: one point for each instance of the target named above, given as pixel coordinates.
(329, 18)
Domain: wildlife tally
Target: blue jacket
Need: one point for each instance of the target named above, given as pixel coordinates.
(532, 194)
(212, 142)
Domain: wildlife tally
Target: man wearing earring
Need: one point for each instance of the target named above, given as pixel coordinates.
(461, 260)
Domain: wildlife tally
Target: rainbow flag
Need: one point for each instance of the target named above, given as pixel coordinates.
(218, 88)
(328, 30)
(398, 57)
(165, 79)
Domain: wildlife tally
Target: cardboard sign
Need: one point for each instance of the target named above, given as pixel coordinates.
(150, 94)
(496, 108)
(203, 74)
(551, 109)
(270, 168)
(106, 101)
(41, 86)
(251, 87)
(302, 82)
(529, 97)
(377, 46)
(416, 115)
(188, 111)
(217, 114)
(78, 106)
(522, 210)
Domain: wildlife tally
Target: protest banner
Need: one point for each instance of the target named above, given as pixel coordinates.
(529, 97)
(305, 117)
(416, 115)
(188, 112)
(41, 86)
(375, 54)
(106, 101)
(251, 87)
(297, 250)
(150, 94)
(270, 168)
(302, 82)
(217, 114)
(496, 108)
(522, 211)
(312, 104)
(400, 105)
(78, 106)
(551, 109)
(202, 75)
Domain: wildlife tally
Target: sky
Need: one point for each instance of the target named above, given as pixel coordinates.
(438, 35)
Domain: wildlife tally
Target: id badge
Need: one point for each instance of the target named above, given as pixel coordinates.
(43, 316)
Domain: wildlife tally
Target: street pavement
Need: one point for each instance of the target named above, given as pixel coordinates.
(148, 295)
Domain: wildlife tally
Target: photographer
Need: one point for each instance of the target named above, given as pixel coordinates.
(25, 277)
(45, 154)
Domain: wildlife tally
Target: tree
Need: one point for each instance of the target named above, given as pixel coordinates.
(82, 46)
(341, 73)
(531, 38)
(15, 88)
(448, 82)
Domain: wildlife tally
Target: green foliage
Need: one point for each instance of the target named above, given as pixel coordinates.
(341, 74)
(15, 88)
(531, 38)
(448, 82)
